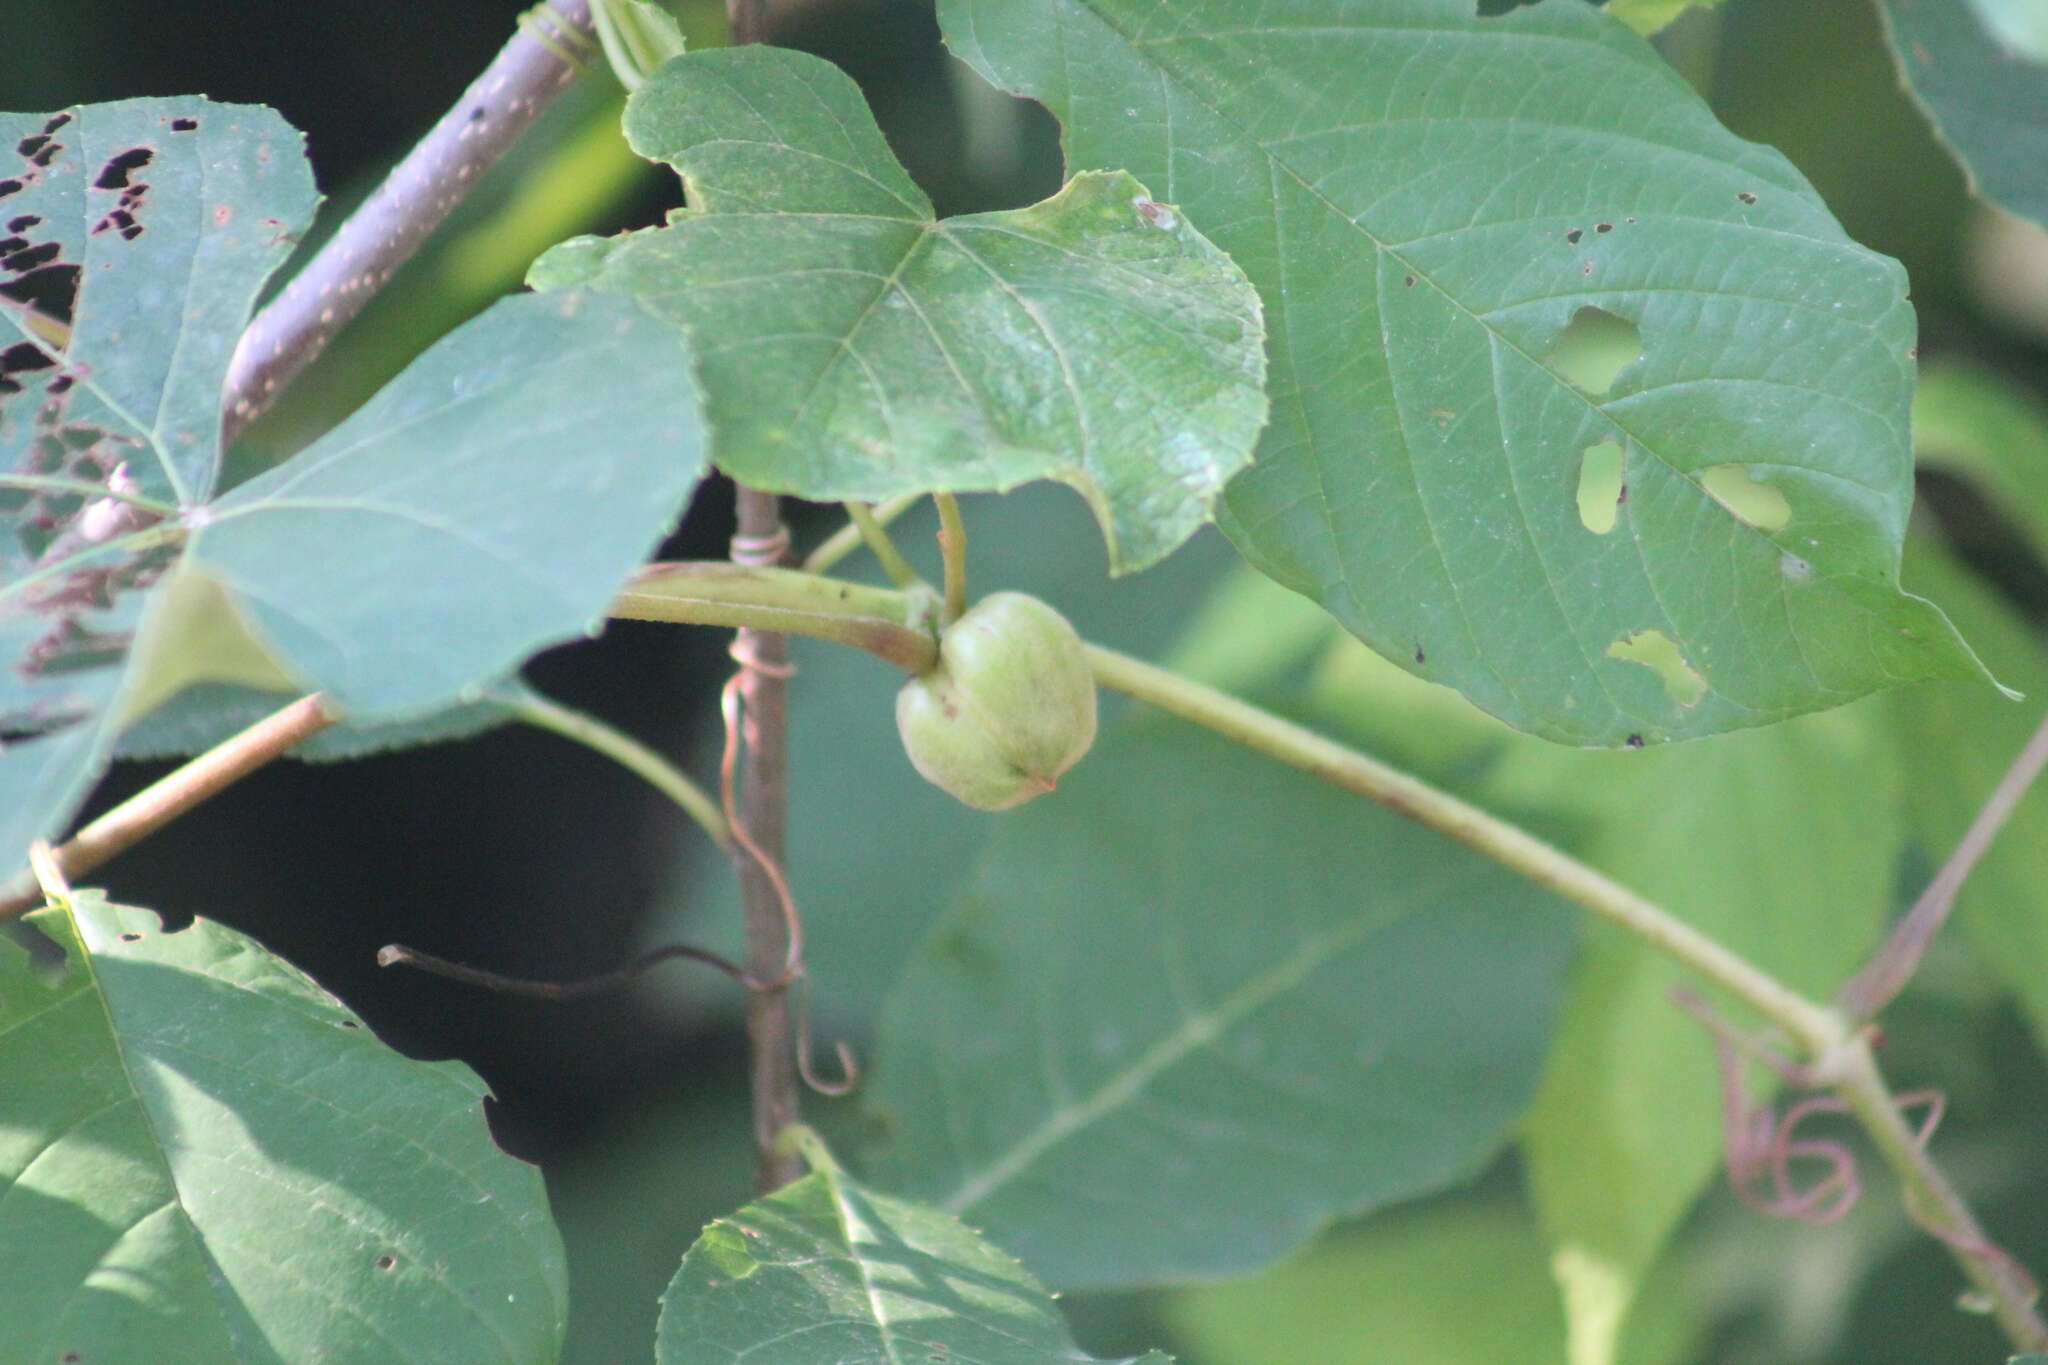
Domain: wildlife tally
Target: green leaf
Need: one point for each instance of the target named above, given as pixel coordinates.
(850, 346)
(488, 502)
(1426, 199)
(1781, 844)
(1197, 1004)
(1450, 1285)
(1986, 96)
(146, 228)
(1647, 16)
(824, 1272)
(137, 237)
(213, 1160)
(1959, 742)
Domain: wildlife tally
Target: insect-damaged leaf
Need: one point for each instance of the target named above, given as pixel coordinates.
(851, 347)
(212, 1160)
(133, 240)
(487, 503)
(1427, 199)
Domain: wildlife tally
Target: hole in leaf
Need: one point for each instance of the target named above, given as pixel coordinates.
(350, 1023)
(50, 291)
(8, 187)
(1745, 196)
(1600, 486)
(386, 1262)
(1656, 651)
(56, 121)
(1408, 281)
(114, 175)
(131, 938)
(1634, 741)
(1593, 350)
(1493, 9)
(184, 125)
(1737, 488)
(1573, 235)
(1603, 227)
(1420, 657)
(23, 223)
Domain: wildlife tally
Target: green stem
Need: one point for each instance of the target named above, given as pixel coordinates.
(953, 548)
(1840, 1054)
(1818, 1030)
(1932, 1201)
(848, 538)
(891, 625)
(629, 753)
(877, 537)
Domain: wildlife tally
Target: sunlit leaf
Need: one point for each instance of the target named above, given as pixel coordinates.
(1428, 200)
(825, 1272)
(213, 1160)
(850, 346)
(137, 235)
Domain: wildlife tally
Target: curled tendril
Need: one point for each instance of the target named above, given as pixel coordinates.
(1761, 1146)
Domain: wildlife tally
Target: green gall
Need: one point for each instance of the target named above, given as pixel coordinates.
(1007, 709)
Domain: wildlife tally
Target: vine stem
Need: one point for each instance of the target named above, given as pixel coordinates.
(156, 805)
(869, 528)
(1818, 1030)
(580, 727)
(953, 548)
(390, 226)
(849, 537)
(1840, 1053)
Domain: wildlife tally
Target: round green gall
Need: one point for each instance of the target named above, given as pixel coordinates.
(1008, 708)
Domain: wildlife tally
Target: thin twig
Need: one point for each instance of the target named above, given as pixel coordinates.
(381, 235)
(544, 713)
(848, 538)
(871, 530)
(163, 801)
(581, 988)
(1878, 984)
(953, 550)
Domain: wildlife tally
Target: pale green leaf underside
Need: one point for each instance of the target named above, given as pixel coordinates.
(1988, 99)
(851, 347)
(1195, 1005)
(1425, 199)
(170, 213)
(824, 1272)
(488, 502)
(212, 1160)
(133, 240)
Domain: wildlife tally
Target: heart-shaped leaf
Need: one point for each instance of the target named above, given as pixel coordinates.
(1197, 1005)
(850, 346)
(1442, 213)
(213, 1160)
